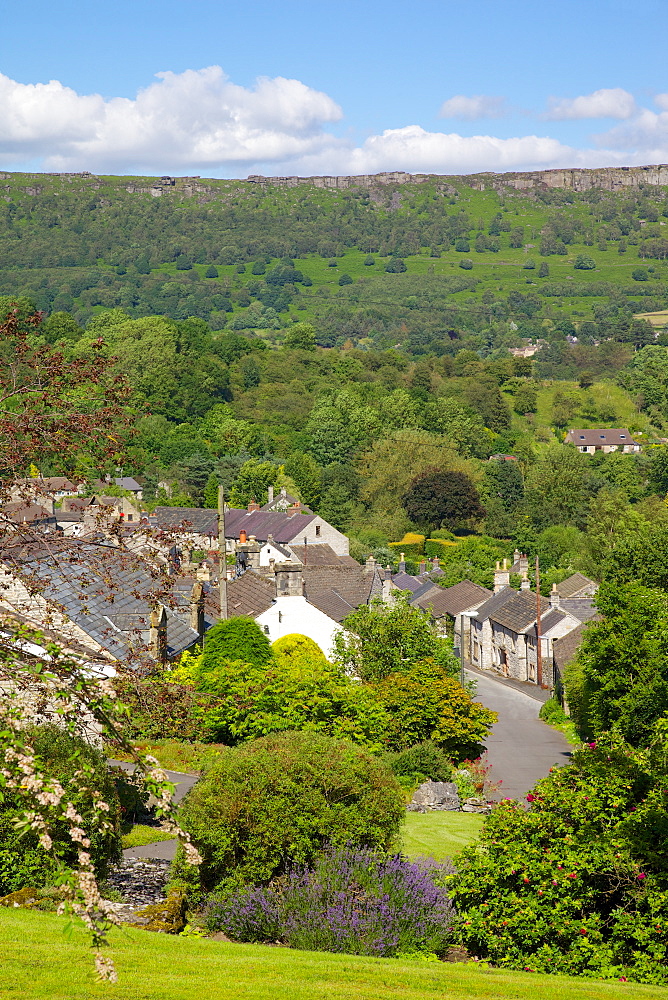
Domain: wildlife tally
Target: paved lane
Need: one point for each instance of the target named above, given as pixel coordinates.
(521, 748)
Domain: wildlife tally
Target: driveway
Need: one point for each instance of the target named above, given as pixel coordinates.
(521, 748)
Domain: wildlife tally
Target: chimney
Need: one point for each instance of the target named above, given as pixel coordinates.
(435, 564)
(270, 494)
(402, 563)
(501, 577)
(524, 563)
(555, 599)
(294, 508)
(423, 568)
(242, 536)
(289, 579)
(525, 585)
(252, 547)
(370, 565)
(253, 506)
(387, 586)
(516, 556)
(197, 608)
(158, 633)
(203, 572)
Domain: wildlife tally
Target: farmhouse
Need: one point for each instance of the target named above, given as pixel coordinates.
(602, 439)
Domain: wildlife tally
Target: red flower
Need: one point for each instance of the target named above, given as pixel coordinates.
(583, 930)
(530, 797)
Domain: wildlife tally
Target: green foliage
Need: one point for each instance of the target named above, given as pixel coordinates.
(424, 761)
(237, 638)
(300, 336)
(22, 861)
(296, 648)
(277, 801)
(380, 639)
(425, 703)
(578, 882)
(159, 708)
(299, 691)
(252, 482)
(622, 680)
(438, 497)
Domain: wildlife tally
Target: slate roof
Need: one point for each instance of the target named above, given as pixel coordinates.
(196, 519)
(250, 594)
(104, 592)
(573, 584)
(598, 436)
(129, 484)
(582, 608)
(518, 613)
(495, 603)
(404, 581)
(320, 555)
(338, 590)
(551, 619)
(262, 523)
(564, 649)
(23, 512)
(452, 600)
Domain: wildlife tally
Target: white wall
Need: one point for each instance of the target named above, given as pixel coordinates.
(295, 614)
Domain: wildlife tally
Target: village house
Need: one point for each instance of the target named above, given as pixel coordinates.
(603, 439)
(505, 632)
(94, 600)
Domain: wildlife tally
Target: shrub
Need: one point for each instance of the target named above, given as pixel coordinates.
(584, 263)
(552, 712)
(466, 263)
(296, 647)
(421, 762)
(235, 639)
(578, 883)
(247, 701)
(160, 709)
(435, 546)
(424, 703)
(359, 902)
(412, 545)
(273, 803)
(22, 861)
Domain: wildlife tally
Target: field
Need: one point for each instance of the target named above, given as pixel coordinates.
(40, 963)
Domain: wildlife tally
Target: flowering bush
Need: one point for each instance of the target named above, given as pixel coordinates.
(352, 900)
(577, 884)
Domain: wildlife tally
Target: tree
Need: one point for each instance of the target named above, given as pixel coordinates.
(252, 482)
(544, 270)
(620, 681)
(526, 399)
(238, 638)
(345, 279)
(558, 488)
(300, 336)
(380, 639)
(211, 492)
(304, 470)
(584, 263)
(440, 498)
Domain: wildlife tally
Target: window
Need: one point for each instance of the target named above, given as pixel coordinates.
(317, 530)
(266, 630)
(623, 437)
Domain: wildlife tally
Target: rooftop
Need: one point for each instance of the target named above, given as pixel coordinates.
(598, 436)
(452, 600)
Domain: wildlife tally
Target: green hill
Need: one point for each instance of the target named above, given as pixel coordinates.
(433, 264)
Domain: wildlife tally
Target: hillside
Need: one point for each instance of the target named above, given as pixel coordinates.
(426, 262)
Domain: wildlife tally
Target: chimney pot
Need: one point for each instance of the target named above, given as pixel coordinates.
(242, 536)
(253, 506)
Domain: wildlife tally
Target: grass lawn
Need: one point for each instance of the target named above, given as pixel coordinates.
(142, 834)
(39, 963)
(438, 835)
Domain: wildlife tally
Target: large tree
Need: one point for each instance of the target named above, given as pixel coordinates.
(438, 497)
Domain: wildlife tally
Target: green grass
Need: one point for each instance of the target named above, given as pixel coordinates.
(140, 835)
(39, 963)
(174, 755)
(439, 835)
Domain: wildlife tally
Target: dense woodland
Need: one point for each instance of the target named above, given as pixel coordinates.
(347, 343)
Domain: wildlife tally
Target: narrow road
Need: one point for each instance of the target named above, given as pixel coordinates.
(521, 748)
(162, 849)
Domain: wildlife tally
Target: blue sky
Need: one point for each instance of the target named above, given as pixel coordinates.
(226, 89)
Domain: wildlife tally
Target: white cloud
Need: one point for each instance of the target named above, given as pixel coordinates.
(661, 101)
(607, 103)
(473, 108)
(647, 134)
(199, 121)
(198, 117)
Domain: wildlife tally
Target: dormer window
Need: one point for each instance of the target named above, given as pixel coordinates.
(602, 437)
(582, 437)
(623, 437)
